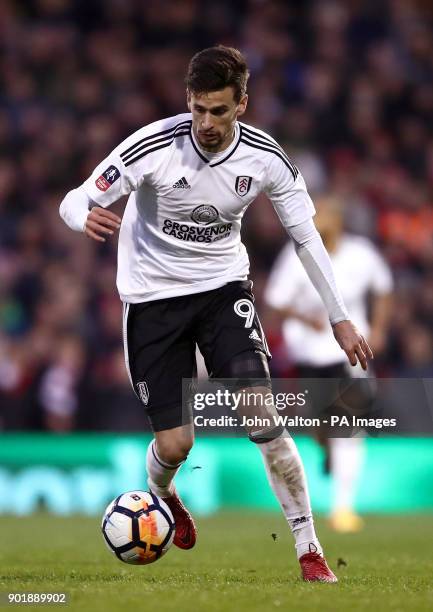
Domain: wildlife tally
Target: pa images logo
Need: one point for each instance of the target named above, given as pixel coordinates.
(107, 178)
(243, 184)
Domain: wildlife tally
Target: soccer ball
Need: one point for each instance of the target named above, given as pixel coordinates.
(138, 527)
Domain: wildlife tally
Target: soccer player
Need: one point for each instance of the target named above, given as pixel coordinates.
(365, 280)
(183, 270)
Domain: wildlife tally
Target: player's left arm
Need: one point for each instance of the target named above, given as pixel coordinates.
(282, 297)
(295, 209)
(315, 259)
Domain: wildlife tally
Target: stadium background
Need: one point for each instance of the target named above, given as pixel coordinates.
(345, 87)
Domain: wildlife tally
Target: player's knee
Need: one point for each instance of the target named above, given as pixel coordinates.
(282, 456)
(268, 435)
(174, 451)
(246, 369)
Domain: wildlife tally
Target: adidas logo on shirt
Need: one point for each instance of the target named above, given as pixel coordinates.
(182, 184)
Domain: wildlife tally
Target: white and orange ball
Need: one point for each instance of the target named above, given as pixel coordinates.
(138, 527)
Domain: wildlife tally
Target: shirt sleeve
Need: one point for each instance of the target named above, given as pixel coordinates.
(113, 178)
(315, 259)
(74, 209)
(127, 167)
(287, 191)
(110, 180)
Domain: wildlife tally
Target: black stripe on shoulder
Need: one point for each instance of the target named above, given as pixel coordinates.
(266, 141)
(167, 143)
(146, 138)
(264, 137)
(259, 139)
(275, 152)
(179, 132)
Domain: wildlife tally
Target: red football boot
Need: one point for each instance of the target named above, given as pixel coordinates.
(315, 569)
(185, 533)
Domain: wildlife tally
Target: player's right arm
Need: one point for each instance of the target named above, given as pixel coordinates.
(84, 209)
(81, 214)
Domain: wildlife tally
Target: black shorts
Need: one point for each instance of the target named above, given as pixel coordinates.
(160, 339)
(338, 390)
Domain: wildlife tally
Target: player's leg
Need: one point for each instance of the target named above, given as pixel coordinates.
(232, 342)
(283, 465)
(165, 456)
(347, 454)
(346, 463)
(335, 391)
(159, 352)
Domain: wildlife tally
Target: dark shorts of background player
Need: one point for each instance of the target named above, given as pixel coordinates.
(335, 390)
(160, 339)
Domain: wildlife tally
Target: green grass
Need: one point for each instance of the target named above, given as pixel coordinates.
(235, 566)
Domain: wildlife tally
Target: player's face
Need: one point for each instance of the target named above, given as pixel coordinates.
(214, 115)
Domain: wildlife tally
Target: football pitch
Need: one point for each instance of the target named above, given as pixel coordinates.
(242, 561)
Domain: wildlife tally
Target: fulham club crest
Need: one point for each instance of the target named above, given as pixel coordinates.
(243, 184)
(143, 392)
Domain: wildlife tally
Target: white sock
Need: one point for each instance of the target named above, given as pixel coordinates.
(346, 462)
(286, 476)
(160, 474)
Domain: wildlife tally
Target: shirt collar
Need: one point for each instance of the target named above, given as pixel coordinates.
(213, 159)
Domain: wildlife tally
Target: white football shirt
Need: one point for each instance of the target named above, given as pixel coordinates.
(180, 232)
(359, 269)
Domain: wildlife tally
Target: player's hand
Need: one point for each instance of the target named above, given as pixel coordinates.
(101, 222)
(353, 344)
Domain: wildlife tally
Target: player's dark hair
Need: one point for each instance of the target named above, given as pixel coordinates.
(216, 68)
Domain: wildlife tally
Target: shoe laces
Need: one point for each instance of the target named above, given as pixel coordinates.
(314, 558)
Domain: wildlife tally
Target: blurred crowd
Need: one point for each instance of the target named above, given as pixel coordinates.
(346, 86)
